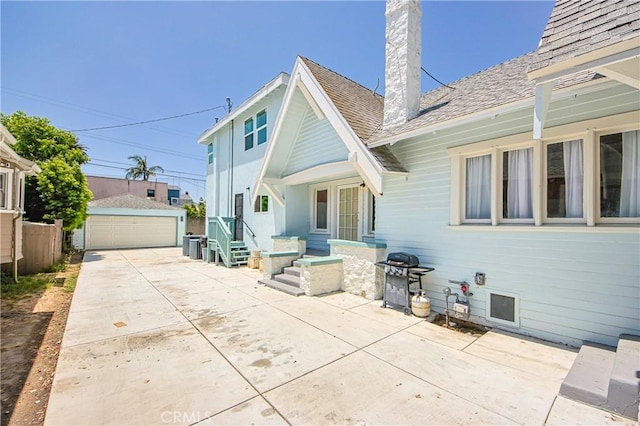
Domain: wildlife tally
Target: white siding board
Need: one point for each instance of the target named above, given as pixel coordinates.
(317, 143)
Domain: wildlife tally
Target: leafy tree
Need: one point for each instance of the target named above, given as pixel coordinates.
(196, 211)
(141, 169)
(61, 190)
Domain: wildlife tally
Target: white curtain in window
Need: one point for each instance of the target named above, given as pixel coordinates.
(630, 188)
(573, 179)
(478, 188)
(519, 194)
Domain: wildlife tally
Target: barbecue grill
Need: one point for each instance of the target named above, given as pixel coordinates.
(402, 270)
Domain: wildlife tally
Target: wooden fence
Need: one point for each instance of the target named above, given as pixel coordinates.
(41, 246)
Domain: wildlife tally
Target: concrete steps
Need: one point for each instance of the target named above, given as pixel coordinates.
(285, 288)
(606, 377)
(288, 281)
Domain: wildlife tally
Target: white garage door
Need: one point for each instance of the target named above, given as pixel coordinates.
(113, 232)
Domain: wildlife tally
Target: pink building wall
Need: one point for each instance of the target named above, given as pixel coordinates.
(104, 187)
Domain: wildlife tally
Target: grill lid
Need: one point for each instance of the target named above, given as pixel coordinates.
(402, 259)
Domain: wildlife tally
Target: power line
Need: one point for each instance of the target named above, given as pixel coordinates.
(91, 163)
(129, 165)
(87, 110)
(147, 147)
(149, 121)
(435, 79)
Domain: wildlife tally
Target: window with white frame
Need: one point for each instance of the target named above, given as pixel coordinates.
(262, 204)
(619, 175)
(321, 209)
(564, 179)
(210, 153)
(517, 184)
(372, 214)
(261, 127)
(477, 203)
(583, 177)
(248, 134)
(255, 130)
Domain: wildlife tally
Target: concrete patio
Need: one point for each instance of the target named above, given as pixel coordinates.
(157, 338)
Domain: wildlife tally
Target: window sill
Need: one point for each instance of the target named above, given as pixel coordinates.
(617, 228)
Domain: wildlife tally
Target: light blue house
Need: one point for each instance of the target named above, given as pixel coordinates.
(235, 149)
(527, 172)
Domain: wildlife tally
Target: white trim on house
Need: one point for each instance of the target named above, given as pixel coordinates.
(360, 158)
(567, 92)
(589, 131)
(271, 86)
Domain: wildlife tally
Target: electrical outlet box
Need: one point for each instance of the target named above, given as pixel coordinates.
(461, 310)
(480, 278)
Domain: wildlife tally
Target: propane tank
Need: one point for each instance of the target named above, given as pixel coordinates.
(420, 305)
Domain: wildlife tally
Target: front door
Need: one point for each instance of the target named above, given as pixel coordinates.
(348, 213)
(238, 235)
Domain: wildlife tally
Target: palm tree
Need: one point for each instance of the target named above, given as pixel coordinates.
(141, 169)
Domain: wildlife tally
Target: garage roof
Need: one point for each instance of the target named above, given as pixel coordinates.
(129, 201)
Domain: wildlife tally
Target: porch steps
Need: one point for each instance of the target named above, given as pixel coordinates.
(288, 281)
(606, 377)
(239, 254)
(285, 288)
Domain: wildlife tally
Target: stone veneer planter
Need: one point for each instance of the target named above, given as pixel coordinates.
(360, 274)
(274, 261)
(289, 243)
(320, 275)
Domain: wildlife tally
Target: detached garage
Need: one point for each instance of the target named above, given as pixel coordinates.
(127, 221)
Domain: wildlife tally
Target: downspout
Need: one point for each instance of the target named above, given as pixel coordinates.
(14, 246)
(230, 208)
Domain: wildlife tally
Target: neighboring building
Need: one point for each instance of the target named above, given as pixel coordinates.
(173, 194)
(127, 221)
(13, 170)
(104, 187)
(181, 200)
(236, 145)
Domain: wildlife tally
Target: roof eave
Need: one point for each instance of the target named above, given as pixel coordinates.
(491, 112)
(612, 53)
(278, 81)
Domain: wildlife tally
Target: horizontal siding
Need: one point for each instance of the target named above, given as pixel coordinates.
(316, 143)
(572, 286)
(318, 241)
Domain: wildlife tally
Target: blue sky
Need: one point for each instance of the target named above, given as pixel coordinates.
(93, 64)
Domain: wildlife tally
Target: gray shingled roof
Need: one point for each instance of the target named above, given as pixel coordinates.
(362, 108)
(496, 86)
(577, 27)
(129, 201)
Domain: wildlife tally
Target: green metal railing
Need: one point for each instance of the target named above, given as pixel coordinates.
(220, 238)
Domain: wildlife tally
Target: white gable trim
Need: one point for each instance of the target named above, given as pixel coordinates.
(360, 158)
(326, 171)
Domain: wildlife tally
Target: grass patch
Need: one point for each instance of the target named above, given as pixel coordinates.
(70, 283)
(27, 284)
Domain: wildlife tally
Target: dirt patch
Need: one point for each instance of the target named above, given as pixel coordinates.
(461, 326)
(32, 328)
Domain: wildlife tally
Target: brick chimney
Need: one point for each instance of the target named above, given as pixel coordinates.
(403, 61)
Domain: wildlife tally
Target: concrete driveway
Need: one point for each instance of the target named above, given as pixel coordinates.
(156, 338)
